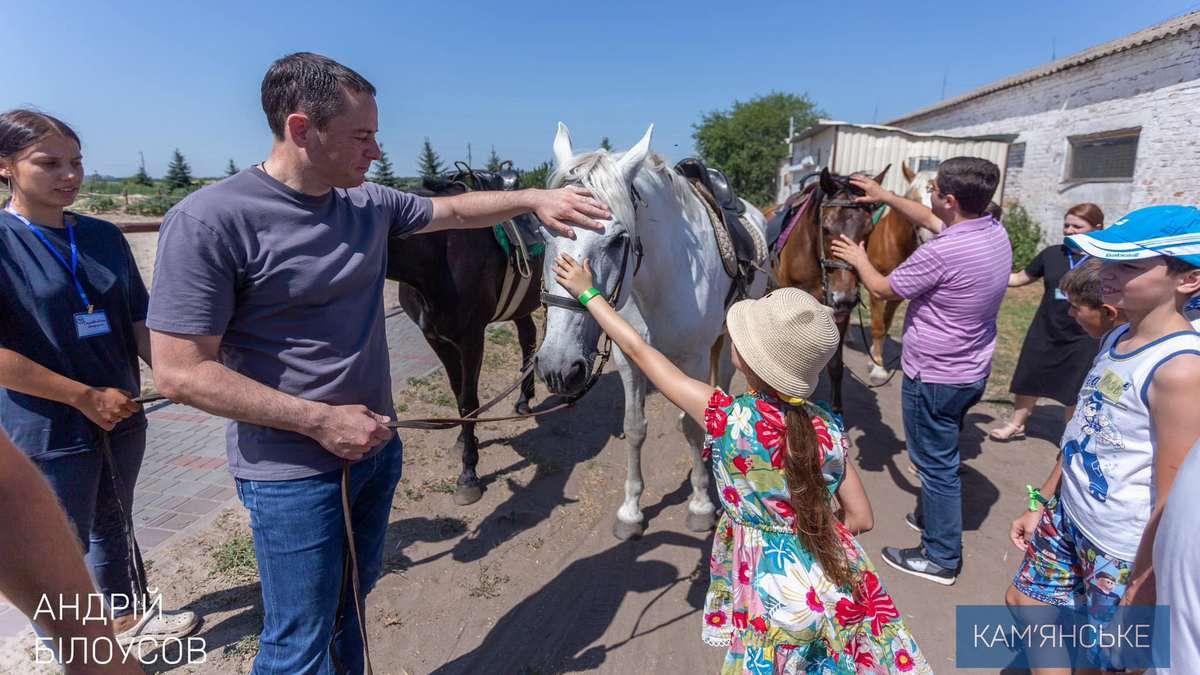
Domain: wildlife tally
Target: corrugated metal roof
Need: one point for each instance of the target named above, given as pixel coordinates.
(1143, 37)
(823, 124)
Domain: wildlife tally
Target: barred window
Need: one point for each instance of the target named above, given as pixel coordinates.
(919, 164)
(1016, 156)
(1101, 157)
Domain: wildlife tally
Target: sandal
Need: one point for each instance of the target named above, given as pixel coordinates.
(159, 626)
(1015, 433)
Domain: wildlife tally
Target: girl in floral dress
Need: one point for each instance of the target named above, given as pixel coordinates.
(791, 590)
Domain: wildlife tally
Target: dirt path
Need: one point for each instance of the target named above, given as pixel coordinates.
(530, 580)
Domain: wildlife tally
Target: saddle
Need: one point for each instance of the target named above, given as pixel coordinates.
(521, 238)
(748, 252)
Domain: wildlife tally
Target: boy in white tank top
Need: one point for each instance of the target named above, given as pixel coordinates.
(1085, 540)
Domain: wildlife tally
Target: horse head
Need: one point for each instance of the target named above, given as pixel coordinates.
(568, 350)
(840, 214)
(919, 185)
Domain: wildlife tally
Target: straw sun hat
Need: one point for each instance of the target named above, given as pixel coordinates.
(786, 338)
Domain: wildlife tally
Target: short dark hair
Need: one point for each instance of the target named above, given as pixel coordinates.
(972, 181)
(308, 83)
(1082, 284)
(21, 128)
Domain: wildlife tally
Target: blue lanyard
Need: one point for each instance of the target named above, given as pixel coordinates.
(72, 267)
(1076, 263)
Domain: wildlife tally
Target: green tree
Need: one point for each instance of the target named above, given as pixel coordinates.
(231, 169)
(605, 144)
(493, 161)
(1024, 235)
(746, 141)
(383, 171)
(431, 164)
(536, 177)
(179, 174)
(141, 177)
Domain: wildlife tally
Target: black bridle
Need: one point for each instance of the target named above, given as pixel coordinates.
(630, 244)
(826, 264)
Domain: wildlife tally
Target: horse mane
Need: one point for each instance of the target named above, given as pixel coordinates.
(598, 172)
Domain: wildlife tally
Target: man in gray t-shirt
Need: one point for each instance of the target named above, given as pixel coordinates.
(267, 309)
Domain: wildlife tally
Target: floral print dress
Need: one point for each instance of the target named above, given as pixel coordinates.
(768, 600)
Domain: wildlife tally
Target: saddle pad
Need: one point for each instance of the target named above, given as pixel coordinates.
(536, 247)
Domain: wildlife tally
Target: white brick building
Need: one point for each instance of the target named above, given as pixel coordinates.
(1117, 124)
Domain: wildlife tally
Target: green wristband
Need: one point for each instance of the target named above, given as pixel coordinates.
(1036, 500)
(588, 295)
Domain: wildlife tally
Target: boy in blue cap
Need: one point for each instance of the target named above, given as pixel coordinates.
(1133, 426)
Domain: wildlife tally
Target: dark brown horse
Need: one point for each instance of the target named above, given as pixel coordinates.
(452, 285)
(811, 220)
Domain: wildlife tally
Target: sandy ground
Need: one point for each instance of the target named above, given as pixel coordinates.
(530, 580)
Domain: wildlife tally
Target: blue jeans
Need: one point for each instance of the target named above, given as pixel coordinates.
(97, 501)
(933, 420)
(300, 543)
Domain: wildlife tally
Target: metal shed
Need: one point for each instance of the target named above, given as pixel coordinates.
(847, 148)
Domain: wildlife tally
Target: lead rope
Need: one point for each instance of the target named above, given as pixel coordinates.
(359, 601)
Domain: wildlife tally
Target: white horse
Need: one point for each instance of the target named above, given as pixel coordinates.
(659, 246)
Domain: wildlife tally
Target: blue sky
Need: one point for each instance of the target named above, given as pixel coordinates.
(153, 76)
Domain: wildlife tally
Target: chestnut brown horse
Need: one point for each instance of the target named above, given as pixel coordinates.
(811, 220)
(892, 241)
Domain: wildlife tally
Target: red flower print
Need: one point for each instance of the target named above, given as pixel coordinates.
(769, 436)
(870, 601)
(729, 532)
(814, 601)
(904, 660)
(715, 619)
(777, 457)
(782, 507)
(759, 624)
(857, 650)
(706, 453)
(720, 400)
(824, 438)
(744, 574)
(715, 420)
(731, 495)
(771, 414)
(740, 620)
(742, 463)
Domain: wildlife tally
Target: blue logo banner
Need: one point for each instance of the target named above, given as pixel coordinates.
(995, 636)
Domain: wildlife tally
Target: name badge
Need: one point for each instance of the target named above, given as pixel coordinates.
(90, 325)
(1059, 295)
(1111, 386)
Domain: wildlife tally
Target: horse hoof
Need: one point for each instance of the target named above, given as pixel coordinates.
(878, 376)
(701, 522)
(626, 531)
(467, 494)
(522, 408)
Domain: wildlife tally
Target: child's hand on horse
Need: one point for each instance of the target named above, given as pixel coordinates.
(574, 277)
(844, 248)
(873, 193)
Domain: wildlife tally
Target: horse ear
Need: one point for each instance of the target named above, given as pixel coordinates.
(631, 161)
(882, 174)
(562, 146)
(909, 174)
(828, 185)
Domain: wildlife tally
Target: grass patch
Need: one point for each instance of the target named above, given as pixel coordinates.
(502, 336)
(428, 392)
(487, 585)
(235, 559)
(442, 485)
(246, 647)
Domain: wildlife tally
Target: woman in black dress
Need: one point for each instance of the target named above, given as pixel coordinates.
(1057, 353)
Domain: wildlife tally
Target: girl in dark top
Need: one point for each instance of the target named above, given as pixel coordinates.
(72, 326)
(1057, 353)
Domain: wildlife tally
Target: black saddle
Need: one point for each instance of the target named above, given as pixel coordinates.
(727, 204)
(479, 179)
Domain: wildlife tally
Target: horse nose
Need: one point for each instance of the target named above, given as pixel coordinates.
(576, 376)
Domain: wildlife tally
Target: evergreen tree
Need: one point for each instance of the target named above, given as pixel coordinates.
(383, 171)
(179, 174)
(536, 177)
(605, 144)
(431, 164)
(231, 169)
(141, 177)
(493, 163)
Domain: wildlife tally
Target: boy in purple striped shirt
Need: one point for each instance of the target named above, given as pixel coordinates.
(954, 285)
